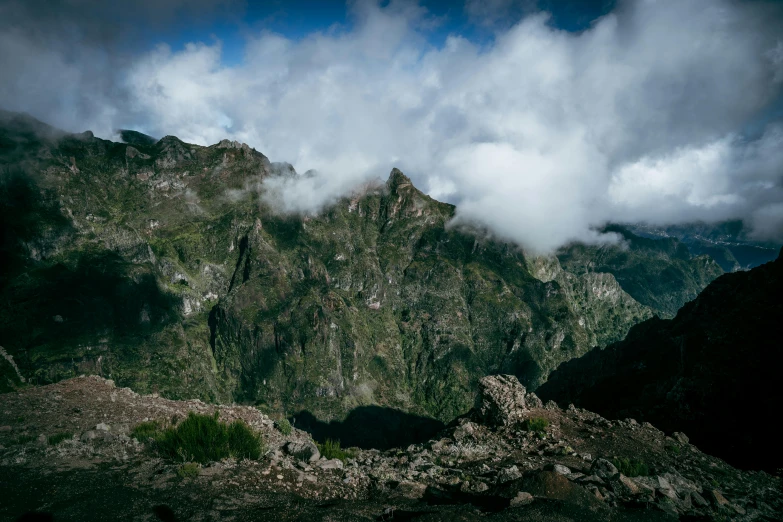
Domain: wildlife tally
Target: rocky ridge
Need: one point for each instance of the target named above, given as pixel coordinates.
(489, 464)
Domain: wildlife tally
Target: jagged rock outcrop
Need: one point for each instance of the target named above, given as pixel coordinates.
(500, 401)
(711, 372)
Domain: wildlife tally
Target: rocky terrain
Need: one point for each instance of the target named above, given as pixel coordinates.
(65, 449)
(169, 268)
(712, 371)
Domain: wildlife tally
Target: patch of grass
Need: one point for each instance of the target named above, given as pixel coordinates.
(284, 426)
(204, 438)
(331, 449)
(145, 431)
(57, 438)
(537, 425)
(189, 469)
(631, 467)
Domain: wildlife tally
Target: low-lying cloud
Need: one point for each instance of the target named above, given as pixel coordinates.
(541, 136)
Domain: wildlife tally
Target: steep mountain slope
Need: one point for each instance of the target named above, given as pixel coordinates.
(157, 264)
(377, 301)
(659, 273)
(711, 372)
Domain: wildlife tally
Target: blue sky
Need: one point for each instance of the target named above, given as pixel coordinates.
(299, 19)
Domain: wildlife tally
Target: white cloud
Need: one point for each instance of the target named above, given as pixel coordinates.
(541, 137)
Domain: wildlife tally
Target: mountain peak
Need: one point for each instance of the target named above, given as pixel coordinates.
(398, 180)
(132, 137)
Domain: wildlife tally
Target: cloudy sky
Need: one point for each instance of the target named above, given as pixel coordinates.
(541, 120)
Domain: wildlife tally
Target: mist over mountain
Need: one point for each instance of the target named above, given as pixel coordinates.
(322, 260)
(658, 112)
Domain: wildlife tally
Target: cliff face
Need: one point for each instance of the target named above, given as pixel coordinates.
(659, 273)
(157, 264)
(712, 371)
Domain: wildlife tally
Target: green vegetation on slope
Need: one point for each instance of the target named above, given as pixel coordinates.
(202, 439)
(154, 264)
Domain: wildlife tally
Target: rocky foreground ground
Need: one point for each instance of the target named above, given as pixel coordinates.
(65, 449)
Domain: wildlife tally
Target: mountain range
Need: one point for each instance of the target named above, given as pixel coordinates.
(160, 264)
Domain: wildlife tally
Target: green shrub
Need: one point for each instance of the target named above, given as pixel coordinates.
(54, 440)
(243, 442)
(284, 426)
(631, 467)
(203, 438)
(189, 469)
(331, 449)
(145, 431)
(537, 424)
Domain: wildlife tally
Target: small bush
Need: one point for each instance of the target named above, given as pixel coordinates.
(243, 442)
(331, 449)
(631, 467)
(145, 431)
(54, 440)
(537, 425)
(189, 469)
(203, 438)
(284, 426)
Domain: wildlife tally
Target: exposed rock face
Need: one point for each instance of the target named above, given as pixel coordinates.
(659, 273)
(501, 400)
(720, 354)
(153, 263)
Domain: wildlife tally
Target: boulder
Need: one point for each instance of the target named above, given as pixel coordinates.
(508, 474)
(303, 450)
(331, 464)
(603, 469)
(501, 400)
(521, 499)
(558, 468)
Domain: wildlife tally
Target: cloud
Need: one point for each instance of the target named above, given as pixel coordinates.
(541, 136)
